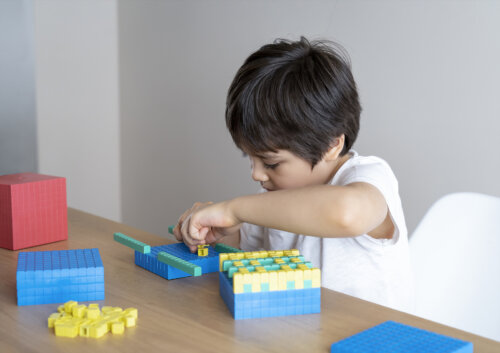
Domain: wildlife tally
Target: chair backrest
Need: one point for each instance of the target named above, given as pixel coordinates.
(455, 252)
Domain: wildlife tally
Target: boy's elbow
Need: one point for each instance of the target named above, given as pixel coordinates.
(346, 222)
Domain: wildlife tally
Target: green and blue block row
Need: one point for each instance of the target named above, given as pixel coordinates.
(173, 261)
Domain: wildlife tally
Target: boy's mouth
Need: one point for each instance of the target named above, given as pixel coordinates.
(265, 187)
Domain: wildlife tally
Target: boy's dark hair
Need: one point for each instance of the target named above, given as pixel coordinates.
(297, 96)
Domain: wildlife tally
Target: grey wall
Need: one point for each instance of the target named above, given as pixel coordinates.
(427, 72)
(18, 151)
(77, 100)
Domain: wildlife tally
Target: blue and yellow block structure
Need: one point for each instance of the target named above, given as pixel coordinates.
(174, 261)
(269, 283)
(395, 337)
(46, 277)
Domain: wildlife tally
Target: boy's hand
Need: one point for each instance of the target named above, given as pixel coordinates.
(205, 223)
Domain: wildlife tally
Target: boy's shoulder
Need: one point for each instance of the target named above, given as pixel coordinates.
(363, 168)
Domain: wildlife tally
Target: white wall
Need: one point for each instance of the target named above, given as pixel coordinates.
(427, 72)
(77, 100)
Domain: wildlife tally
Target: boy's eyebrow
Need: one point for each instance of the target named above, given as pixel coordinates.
(266, 155)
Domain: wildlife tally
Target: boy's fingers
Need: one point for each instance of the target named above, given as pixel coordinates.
(177, 232)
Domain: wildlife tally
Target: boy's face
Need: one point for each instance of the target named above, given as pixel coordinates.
(285, 170)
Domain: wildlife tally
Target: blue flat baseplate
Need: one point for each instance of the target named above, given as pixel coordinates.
(394, 337)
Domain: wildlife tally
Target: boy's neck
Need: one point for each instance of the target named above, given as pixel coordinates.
(338, 163)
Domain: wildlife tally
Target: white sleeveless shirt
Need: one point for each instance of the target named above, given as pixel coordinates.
(376, 270)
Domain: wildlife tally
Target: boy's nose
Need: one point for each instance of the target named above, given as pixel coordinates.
(258, 173)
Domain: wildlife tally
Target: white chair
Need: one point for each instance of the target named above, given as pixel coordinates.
(455, 253)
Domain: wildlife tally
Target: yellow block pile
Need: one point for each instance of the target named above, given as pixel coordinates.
(72, 320)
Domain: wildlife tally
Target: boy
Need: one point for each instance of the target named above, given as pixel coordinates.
(293, 108)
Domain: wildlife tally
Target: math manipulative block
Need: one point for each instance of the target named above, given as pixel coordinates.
(46, 277)
(269, 283)
(394, 337)
(151, 261)
(33, 210)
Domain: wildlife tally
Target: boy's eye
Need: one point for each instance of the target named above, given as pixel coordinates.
(271, 166)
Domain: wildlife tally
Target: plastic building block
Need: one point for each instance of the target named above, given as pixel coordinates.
(117, 327)
(223, 248)
(173, 260)
(33, 210)
(112, 319)
(178, 263)
(171, 229)
(46, 277)
(394, 337)
(150, 261)
(202, 250)
(132, 243)
(269, 283)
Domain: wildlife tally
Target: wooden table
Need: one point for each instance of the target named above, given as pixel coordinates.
(184, 315)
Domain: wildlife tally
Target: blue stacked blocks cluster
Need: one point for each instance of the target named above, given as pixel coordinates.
(150, 261)
(394, 337)
(267, 303)
(266, 284)
(47, 277)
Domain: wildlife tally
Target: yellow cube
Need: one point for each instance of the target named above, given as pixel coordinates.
(299, 279)
(131, 311)
(281, 280)
(273, 280)
(202, 250)
(98, 329)
(118, 327)
(255, 278)
(52, 318)
(79, 311)
(68, 306)
(238, 282)
(93, 313)
(66, 329)
(316, 277)
(129, 320)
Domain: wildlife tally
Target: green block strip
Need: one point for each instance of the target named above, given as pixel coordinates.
(132, 243)
(223, 248)
(179, 263)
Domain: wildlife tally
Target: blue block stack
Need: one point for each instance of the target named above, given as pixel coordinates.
(47, 277)
(150, 261)
(268, 304)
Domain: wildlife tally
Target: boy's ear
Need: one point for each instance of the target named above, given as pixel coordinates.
(335, 149)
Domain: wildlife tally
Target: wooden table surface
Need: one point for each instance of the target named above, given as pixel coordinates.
(184, 315)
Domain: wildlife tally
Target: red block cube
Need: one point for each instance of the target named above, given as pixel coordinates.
(33, 210)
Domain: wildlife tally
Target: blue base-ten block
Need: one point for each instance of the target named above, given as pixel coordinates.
(47, 277)
(269, 303)
(150, 261)
(393, 337)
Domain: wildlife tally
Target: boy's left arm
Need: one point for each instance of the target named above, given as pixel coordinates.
(321, 210)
